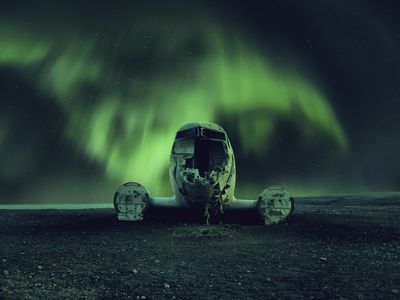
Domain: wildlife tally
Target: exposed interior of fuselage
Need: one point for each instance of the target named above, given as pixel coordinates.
(208, 155)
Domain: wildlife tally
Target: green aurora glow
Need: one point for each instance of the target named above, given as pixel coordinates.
(123, 115)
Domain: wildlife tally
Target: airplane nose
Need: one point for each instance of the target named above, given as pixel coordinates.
(199, 189)
(193, 178)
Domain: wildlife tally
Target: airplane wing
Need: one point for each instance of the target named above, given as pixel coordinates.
(165, 202)
(241, 204)
(274, 205)
(131, 201)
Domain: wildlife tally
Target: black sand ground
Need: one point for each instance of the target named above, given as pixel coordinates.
(332, 248)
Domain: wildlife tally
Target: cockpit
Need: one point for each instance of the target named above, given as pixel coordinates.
(204, 149)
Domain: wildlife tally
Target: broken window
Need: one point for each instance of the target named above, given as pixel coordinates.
(186, 133)
(212, 134)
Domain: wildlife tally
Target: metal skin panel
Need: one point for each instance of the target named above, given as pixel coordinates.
(203, 175)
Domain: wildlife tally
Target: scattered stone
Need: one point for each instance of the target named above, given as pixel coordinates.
(166, 285)
(134, 271)
(40, 267)
(323, 258)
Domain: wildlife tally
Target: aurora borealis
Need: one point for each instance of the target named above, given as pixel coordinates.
(93, 95)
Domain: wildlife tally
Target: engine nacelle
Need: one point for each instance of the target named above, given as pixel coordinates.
(275, 205)
(131, 201)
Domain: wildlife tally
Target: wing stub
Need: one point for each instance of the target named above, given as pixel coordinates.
(131, 201)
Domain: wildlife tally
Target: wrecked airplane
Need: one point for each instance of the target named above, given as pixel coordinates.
(202, 173)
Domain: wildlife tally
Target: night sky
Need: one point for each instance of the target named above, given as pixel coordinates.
(92, 94)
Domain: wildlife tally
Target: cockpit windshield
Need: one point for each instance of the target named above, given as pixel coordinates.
(184, 134)
(202, 132)
(213, 134)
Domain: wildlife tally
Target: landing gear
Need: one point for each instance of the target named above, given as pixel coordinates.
(275, 205)
(214, 210)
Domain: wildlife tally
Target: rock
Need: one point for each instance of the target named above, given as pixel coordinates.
(166, 285)
(323, 258)
(134, 271)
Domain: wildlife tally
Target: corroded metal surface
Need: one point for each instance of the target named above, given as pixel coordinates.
(275, 205)
(130, 201)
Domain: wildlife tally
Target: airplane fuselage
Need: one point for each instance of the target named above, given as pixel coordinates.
(202, 167)
(203, 174)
